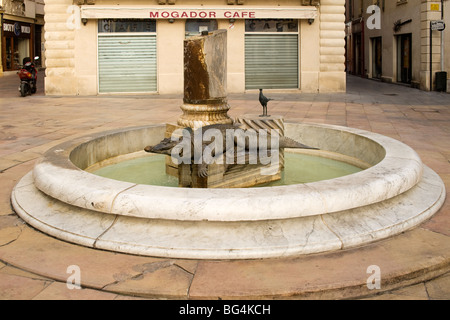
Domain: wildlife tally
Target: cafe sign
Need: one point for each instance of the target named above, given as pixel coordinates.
(162, 12)
(202, 14)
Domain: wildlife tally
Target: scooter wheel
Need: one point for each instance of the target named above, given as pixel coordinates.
(33, 87)
(23, 89)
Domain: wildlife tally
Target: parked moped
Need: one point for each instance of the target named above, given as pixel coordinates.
(28, 77)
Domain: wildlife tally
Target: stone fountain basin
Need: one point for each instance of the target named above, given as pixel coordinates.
(395, 169)
(394, 193)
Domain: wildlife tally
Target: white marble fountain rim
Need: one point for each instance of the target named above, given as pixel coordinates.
(399, 171)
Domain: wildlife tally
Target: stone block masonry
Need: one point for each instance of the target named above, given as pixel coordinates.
(332, 46)
(60, 45)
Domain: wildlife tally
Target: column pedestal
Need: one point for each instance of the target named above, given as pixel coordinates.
(238, 175)
(205, 81)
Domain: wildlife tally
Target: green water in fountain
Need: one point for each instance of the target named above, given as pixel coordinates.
(299, 168)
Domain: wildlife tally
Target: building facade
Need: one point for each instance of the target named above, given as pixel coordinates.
(393, 41)
(22, 24)
(100, 46)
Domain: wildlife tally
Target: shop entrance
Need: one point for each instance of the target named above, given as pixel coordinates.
(127, 56)
(271, 54)
(17, 44)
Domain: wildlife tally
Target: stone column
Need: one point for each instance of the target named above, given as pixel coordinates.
(60, 24)
(427, 15)
(332, 46)
(205, 81)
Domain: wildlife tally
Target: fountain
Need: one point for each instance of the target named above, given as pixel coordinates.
(205, 106)
(392, 192)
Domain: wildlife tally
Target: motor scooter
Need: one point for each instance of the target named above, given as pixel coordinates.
(28, 77)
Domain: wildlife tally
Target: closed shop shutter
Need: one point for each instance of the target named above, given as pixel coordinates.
(271, 61)
(127, 63)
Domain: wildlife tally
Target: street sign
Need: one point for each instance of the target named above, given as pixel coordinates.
(437, 25)
(435, 7)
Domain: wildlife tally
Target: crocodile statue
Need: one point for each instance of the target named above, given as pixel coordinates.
(223, 131)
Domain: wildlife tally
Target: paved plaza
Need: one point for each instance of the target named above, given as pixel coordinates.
(33, 265)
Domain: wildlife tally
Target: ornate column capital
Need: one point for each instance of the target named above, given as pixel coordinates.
(310, 2)
(162, 2)
(82, 2)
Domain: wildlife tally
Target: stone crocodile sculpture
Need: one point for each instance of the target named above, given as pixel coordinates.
(248, 140)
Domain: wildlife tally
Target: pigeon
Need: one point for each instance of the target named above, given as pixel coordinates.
(263, 100)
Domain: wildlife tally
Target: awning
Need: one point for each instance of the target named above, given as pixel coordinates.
(185, 12)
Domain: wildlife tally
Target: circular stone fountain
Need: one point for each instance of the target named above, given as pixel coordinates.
(60, 197)
(395, 193)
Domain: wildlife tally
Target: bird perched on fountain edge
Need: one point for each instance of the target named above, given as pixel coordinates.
(263, 100)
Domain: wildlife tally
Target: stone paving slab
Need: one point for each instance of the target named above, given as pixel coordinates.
(331, 276)
(59, 291)
(414, 265)
(37, 253)
(19, 288)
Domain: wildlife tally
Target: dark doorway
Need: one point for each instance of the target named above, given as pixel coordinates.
(358, 55)
(404, 57)
(377, 58)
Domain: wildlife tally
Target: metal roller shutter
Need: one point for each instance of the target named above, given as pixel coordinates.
(127, 63)
(271, 61)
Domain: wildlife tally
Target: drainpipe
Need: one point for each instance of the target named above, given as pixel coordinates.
(363, 49)
(442, 37)
(431, 58)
